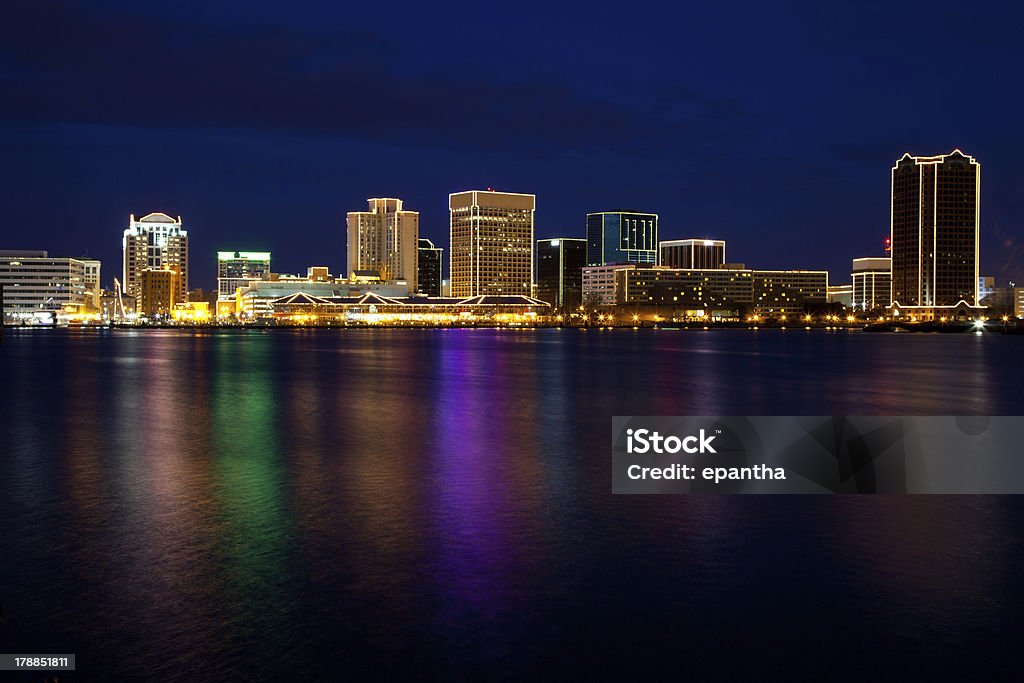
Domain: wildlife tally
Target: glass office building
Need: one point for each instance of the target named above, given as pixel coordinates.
(622, 237)
(559, 271)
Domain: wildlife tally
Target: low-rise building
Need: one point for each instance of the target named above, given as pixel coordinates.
(872, 282)
(254, 302)
(719, 292)
(38, 286)
(376, 309)
(598, 284)
(841, 294)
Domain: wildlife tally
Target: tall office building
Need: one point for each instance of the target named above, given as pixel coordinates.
(154, 241)
(491, 243)
(239, 268)
(36, 284)
(872, 282)
(385, 238)
(622, 237)
(560, 264)
(692, 253)
(935, 202)
(429, 268)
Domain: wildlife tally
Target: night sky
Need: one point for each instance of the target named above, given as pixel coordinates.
(770, 125)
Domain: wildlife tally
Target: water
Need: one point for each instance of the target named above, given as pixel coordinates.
(331, 504)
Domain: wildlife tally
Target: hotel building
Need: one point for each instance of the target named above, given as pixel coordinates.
(692, 253)
(491, 243)
(237, 269)
(36, 286)
(872, 282)
(560, 264)
(622, 237)
(155, 241)
(719, 292)
(384, 238)
(934, 233)
(429, 268)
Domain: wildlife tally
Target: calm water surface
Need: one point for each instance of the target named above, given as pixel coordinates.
(269, 505)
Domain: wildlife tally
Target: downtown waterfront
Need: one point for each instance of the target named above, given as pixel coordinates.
(337, 504)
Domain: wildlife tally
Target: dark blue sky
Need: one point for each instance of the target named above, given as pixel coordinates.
(770, 125)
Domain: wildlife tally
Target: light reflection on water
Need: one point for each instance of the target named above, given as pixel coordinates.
(393, 502)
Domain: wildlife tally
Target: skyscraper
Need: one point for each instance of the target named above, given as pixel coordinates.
(154, 241)
(622, 237)
(934, 226)
(692, 253)
(491, 243)
(237, 269)
(429, 268)
(385, 238)
(560, 264)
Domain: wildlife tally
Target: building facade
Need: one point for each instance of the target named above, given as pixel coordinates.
(841, 294)
(599, 286)
(692, 253)
(560, 264)
(622, 237)
(159, 291)
(430, 265)
(872, 282)
(788, 291)
(491, 243)
(384, 238)
(691, 293)
(93, 287)
(934, 230)
(37, 286)
(238, 268)
(155, 241)
(720, 292)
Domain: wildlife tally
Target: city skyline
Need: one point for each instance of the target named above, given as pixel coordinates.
(716, 151)
(343, 261)
(381, 210)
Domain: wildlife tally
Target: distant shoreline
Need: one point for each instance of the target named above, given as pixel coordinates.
(991, 327)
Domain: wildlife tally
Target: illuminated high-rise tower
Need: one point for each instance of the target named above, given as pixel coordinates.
(491, 243)
(154, 241)
(935, 202)
(385, 238)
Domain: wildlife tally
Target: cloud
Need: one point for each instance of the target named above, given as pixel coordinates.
(118, 68)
